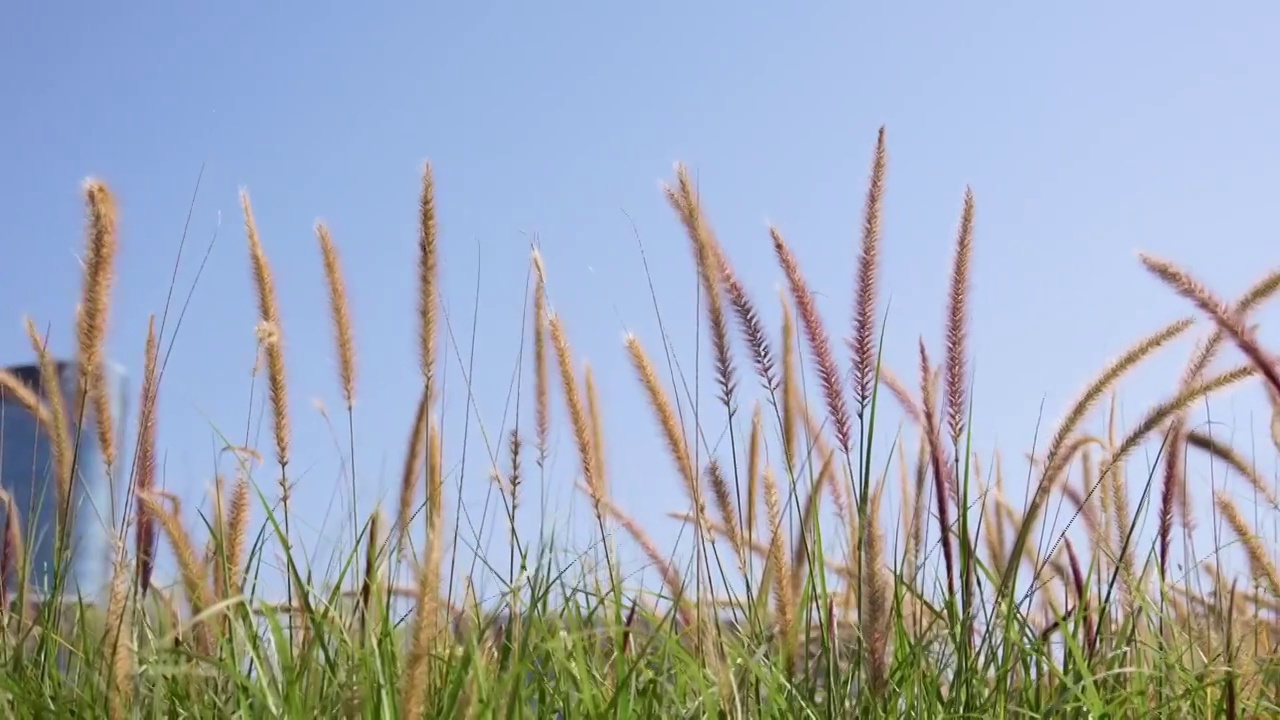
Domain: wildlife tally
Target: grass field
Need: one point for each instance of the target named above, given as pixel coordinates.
(807, 597)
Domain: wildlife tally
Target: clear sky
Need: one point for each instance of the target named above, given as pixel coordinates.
(1087, 130)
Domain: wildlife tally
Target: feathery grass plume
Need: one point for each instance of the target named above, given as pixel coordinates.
(709, 254)
(819, 343)
(597, 426)
(119, 655)
(191, 568)
(427, 628)
(13, 553)
(412, 470)
(728, 514)
(1260, 564)
(790, 388)
(234, 543)
(60, 430)
(1103, 539)
(958, 322)
(749, 324)
(670, 426)
(784, 600)
(1274, 397)
(1228, 454)
(339, 312)
(216, 521)
(273, 350)
(23, 395)
(514, 445)
(1174, 473)
(100, 255)
(428, 278)
(919, 507)
(269, 314)
(1158, 415)
(938, 463)
(902, 395)
(1191, 289)
(684, 200)
(1154, 418)
(862, 345)
(435, 501)
(878, 589)
(753, 470)
(1230, 700)
(1054, 462)
(1115, 475)
(1174, 478)
(371, 574)
(145, 461)
(577, 414)
(53, 395)
(1258, 293)
(541, 381)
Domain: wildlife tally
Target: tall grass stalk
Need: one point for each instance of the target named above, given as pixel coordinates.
(814, 592)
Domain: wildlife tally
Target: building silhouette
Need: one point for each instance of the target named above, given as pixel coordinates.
(27, 473)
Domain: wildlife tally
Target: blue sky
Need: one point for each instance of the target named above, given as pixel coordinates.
(1087, 131)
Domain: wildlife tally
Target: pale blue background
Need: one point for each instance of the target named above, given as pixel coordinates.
(1088, 130)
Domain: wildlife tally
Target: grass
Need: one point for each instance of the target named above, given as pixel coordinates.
(800, 606)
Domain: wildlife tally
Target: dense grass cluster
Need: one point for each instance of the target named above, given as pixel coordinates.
(962, 605)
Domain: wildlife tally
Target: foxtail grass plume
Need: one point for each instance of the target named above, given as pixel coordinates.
(790, 388)
(13, 552)
(958, 324)
(236, 541)
(1190, 288)
(876, 585)
(192, 570)
(819, 342)
(119, 654)
(340, 313)
(269, 315)
(427, 629)
(666, 417)
(577, 415)
(99, 273)
(541, 381)
(428, 280)
(413, 465)
(941, 478)
(684, 199)
(145, 463)
(59, 430)
(862, 344)
(1055, 459)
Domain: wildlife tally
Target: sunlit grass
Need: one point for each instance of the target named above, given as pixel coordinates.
(807, 595)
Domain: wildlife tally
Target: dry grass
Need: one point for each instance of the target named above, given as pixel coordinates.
(95, 304)
(344, 337)
(868, 611)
